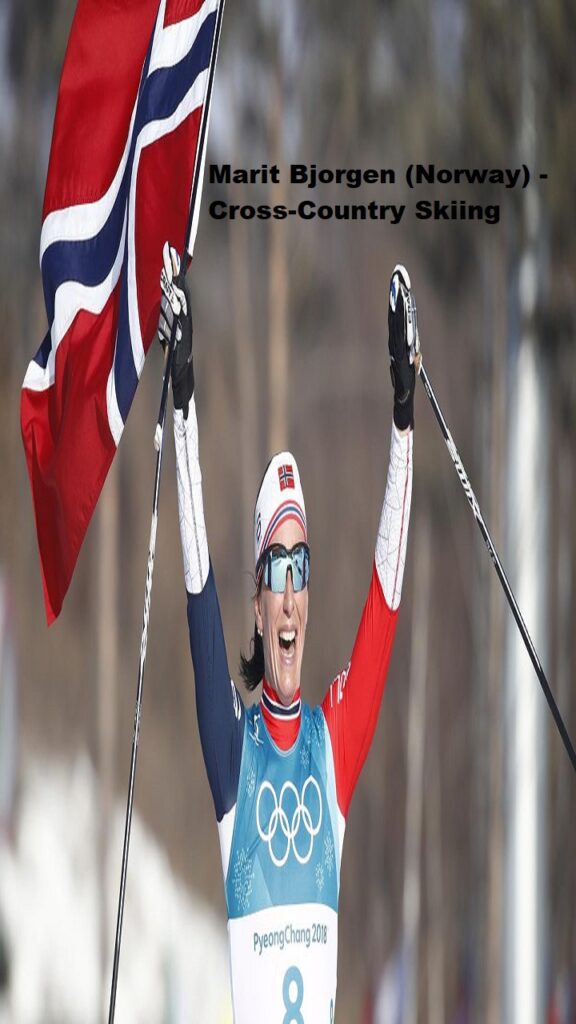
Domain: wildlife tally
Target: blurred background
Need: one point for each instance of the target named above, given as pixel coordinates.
(458, 889)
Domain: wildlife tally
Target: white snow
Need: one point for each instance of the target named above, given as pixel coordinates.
(174, 954)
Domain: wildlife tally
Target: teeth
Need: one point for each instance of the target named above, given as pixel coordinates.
(288, 637)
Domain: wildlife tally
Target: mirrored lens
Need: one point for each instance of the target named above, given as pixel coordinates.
(277, 565)
(279, 560)
(299, 568)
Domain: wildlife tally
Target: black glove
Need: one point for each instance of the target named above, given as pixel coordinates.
(182, 365)
(176, 302)
(403, 346)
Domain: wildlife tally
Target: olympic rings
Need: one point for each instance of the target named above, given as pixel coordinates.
(289, 828)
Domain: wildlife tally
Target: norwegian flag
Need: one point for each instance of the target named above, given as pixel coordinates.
(286, 477)
(132, 107)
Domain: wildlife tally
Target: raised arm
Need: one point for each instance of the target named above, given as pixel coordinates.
(353, 700)
(219, 706)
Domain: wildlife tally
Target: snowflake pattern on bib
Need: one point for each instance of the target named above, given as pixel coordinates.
(243, 879)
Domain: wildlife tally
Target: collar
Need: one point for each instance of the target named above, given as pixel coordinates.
(282, 722)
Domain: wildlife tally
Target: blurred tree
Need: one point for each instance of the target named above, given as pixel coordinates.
(492, 127)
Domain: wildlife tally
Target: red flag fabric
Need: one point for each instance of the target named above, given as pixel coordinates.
(124, 147)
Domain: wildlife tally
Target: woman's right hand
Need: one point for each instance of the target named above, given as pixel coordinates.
(175, 302)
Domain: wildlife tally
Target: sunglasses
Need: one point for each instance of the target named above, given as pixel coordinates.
(274, 563)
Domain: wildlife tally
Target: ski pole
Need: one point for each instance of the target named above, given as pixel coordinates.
(462, 475)
(141, 666)
(193, 213)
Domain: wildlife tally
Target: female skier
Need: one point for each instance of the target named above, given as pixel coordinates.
(282, 774)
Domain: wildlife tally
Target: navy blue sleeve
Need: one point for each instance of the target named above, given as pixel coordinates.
(218, 704)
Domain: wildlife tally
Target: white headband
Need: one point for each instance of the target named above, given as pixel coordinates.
(280, 498)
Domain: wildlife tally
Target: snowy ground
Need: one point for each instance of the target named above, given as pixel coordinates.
(174, 960)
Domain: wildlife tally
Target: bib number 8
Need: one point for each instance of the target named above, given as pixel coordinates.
(293, 1013)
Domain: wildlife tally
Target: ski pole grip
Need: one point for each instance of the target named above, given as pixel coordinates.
(165, 385)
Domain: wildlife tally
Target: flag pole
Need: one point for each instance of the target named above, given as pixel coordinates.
(159, 445)
(190, 236)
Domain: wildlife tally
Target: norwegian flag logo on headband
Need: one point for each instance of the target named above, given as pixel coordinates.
(286, 477)
(280, 499)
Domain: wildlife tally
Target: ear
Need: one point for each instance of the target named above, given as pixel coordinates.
(258, 611)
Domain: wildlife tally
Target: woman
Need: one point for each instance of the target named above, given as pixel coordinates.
(281, 773)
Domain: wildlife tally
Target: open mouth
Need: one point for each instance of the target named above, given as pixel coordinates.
(287, 640)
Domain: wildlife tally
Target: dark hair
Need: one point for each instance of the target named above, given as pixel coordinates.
(252, 668)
